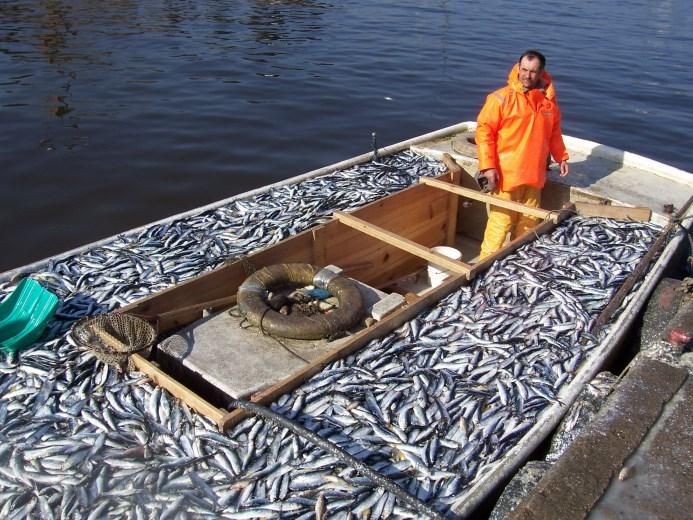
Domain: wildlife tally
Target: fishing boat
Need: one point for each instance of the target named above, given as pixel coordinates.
(387, 245)
(386, 248)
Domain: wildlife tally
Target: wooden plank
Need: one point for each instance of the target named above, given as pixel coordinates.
(490, 199)
(370, 260)
(180, 317)
(359, 340)
(641, 268)
(543, 228)
(427, 230)
(414, 209)
(217, 303)
(352, 245)
(455, 171)
(224, 280)
(360, 255)
(588, 209)
(451, 227)
(177, 389)
(402, 243)
(319, 246)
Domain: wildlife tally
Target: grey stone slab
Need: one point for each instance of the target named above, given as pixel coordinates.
(581, 476)
(240, 360)
(387, 306)
(657, 479)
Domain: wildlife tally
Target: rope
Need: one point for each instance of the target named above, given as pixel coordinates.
(275, 338)
(380, 480)
(285, 347)
(246, 324)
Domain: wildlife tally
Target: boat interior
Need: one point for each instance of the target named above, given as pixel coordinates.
(385, 246)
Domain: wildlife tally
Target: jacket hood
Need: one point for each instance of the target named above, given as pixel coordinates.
(515, 84)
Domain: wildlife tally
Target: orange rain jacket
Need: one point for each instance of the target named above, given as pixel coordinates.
(516, 130)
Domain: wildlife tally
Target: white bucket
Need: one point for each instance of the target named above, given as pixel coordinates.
(437, 274)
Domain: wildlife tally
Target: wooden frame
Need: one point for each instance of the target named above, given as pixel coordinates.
(426, 217)
(490, 199)
(375, 244)
(386, 326)
(455, 171)
(402, 243)
(179, 390)
(590, 209)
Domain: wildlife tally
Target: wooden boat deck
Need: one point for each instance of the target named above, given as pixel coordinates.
(598, 173)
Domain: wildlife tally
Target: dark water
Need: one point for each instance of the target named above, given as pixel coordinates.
(117, 113)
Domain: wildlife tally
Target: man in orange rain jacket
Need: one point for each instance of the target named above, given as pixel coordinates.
(517, 128)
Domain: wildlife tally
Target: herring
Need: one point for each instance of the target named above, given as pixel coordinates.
(434, 404)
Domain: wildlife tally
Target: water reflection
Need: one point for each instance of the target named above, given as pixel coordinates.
(73, 36)
(55, 27)
(56, 31)
(168, 104)
(272, 21)
(61, 108)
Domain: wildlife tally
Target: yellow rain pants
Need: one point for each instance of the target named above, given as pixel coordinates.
(501, 220)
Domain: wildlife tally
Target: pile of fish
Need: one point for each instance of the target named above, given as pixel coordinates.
(132, 266)
(437, 403)
(433, 405)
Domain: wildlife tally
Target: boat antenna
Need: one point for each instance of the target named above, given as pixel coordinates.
(374, 137)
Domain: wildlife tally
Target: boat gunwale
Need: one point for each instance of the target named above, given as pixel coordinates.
(325, 170)
(552, 416)
(623, 157)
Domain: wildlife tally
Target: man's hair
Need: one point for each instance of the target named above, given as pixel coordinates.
(532, 55)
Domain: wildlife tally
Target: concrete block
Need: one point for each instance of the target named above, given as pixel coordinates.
(387, 305)
(239, 361)
(579, 478)
(236, 360)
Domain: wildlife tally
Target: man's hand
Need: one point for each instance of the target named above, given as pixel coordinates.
(488, 180)
(564, 168)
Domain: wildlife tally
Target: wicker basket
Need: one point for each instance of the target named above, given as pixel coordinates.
(114, 337)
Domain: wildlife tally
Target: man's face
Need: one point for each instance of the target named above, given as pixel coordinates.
(530, 73)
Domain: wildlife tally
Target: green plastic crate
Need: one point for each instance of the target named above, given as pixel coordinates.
(24, 315)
